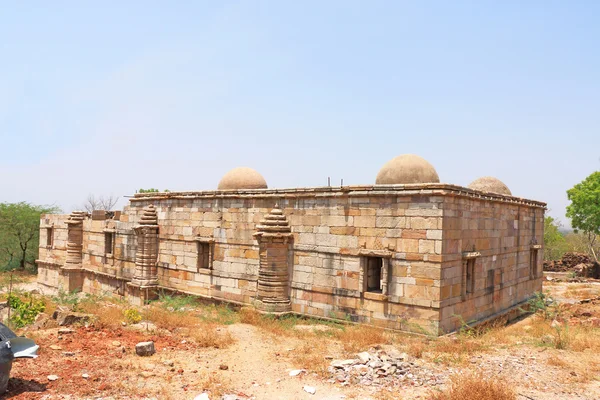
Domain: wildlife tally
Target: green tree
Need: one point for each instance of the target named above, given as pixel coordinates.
(555, 244)
(19, 233)
(584, 210)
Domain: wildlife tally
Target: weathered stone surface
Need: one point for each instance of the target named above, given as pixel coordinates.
(145, 349)
(64, 318)
(310, 255)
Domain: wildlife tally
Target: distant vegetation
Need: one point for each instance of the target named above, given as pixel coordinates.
(20, 234)
(584, 212)
(151, 190)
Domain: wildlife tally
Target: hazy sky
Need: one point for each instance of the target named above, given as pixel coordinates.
(110, 97)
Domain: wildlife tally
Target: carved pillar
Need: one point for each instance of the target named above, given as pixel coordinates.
(72, 271)
(144, 283)
(274, 237)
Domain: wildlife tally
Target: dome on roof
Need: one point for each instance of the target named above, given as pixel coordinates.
(407, 168)
(490, 184)
(242, 178)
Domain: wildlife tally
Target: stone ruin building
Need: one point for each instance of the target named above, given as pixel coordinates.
(408, 253)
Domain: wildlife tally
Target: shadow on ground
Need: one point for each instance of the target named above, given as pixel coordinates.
(17, 386)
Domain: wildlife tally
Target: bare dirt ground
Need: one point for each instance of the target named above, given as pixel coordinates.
(241, 355)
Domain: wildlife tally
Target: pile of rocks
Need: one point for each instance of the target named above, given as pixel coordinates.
(382, 368)
(580, 264)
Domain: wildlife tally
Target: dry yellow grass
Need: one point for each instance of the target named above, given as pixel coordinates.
(556, 361)
(476, 387)
(209, 335)
(311, 356)
(357, 338)
(169, 320)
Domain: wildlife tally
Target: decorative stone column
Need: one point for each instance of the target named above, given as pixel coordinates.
(72, 271)
(274, 236)
(144, 283)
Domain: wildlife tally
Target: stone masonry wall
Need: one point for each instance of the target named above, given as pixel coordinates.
(504, 235)
(418, 232)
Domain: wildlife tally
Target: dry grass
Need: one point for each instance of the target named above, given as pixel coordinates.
(587, 291)
(557, 362)
(476, 387)
(311, 356)
(108, 315)
(357, 338)
(210, 335)
(169, 320)
(215, 384)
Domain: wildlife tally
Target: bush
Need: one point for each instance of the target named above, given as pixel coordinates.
(132, 315)
(68, 299)
(25, 311)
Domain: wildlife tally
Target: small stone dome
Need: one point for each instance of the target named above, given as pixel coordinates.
(490, 184)
(407, 168)
(242, 178)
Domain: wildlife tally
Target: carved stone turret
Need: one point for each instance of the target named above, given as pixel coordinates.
(72, 271)
(75, 240)
(147, 249)
(274, 235)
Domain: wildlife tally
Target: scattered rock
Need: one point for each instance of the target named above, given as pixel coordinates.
(555, 324)
(65, 331)
(223, 367)
(85, 376)
(55, 347)
(69, 354)
(383, 369)
(342, 363)
(310, 389)
(146, 374)
(203, 396)
(364, 357)
(116, 343)
(168, 363)
(52, 377)
(296, 372)
(69, 317)
(145, 349)
(144, 326)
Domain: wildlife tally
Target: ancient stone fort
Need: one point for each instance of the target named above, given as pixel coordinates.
(407, 253)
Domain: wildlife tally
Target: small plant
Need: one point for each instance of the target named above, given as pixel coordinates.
(562, 338)
(543, 305)
(25, 311)
(68, 299)
(176, 303)
(132, 316)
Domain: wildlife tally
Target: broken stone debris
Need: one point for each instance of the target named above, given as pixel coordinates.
(310, 389)
(381, 368)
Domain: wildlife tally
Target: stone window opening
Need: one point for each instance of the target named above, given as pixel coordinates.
(204, 255)
(374, 266)
(468, 273)
(49, 237)
(533, 257)
(108, 243)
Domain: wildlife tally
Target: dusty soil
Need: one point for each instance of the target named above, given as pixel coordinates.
(258, 363)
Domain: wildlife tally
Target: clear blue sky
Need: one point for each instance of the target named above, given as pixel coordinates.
(109, 97)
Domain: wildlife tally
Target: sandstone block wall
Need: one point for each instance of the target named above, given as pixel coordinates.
(418, 232)
(502, 235)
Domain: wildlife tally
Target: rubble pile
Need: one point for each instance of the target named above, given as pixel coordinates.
(581, 264)
(379, 367)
